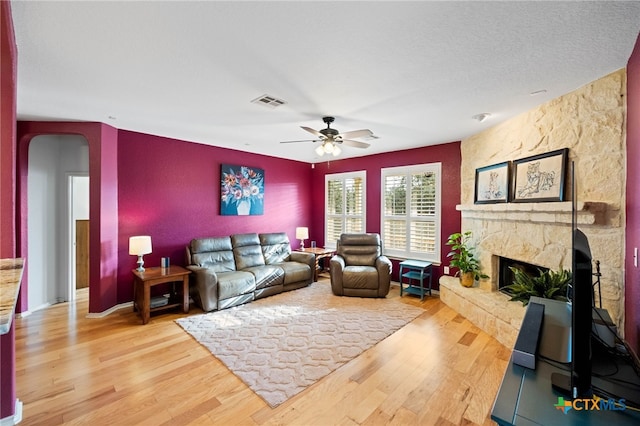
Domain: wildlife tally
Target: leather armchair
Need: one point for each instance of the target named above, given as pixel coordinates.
(359, 268)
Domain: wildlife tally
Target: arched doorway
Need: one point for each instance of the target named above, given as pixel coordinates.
(103, 199)
(53, 159)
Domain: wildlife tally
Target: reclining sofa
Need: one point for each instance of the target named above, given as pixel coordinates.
(229, 271)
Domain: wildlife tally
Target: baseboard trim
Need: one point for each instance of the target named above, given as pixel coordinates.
(109, 311)
(23, 314)
(16, 418)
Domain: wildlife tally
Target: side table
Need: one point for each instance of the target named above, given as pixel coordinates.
(416, 272)
(143, 281)
(319, 253)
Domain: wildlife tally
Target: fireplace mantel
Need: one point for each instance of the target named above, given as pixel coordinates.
(588, 213)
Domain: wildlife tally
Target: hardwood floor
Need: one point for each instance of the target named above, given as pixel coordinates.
(438, 370)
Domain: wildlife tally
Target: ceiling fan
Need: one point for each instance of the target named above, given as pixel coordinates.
(332, 138)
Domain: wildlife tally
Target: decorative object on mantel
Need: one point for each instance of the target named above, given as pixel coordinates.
(540, 177)
(493, 183)
(241, 190)
(548, 284)
(463, 258)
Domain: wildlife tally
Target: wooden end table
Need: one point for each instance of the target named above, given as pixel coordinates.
(319, 253)
(143, 281)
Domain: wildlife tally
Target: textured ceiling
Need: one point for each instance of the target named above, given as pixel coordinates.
(412, 72)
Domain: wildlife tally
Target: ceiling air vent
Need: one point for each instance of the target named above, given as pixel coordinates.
(268, 101)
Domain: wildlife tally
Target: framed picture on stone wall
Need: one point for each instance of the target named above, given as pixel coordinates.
(540, 177)
(492, 184)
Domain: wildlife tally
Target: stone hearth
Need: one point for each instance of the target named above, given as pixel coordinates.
(489, 310)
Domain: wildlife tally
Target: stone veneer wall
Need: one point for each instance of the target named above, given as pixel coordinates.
(590, 122)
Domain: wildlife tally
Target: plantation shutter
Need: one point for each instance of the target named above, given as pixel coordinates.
(410, 216)
(395, 210)
(344, 213)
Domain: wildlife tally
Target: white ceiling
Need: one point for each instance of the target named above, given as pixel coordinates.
(412, 72)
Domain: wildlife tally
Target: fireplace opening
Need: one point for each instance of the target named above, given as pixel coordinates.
(506, 275)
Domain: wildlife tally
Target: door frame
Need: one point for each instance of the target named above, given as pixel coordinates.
(71, 246)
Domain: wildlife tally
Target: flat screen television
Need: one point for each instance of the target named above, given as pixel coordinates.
(581, 316)
(581, 298)
(580, 295)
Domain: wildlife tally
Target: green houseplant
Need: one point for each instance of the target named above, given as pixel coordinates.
(548, 284)
(463, 258)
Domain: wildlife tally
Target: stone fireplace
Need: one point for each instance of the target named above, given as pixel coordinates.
(590, 122)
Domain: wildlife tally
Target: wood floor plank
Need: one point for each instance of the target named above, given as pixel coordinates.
(439, 369)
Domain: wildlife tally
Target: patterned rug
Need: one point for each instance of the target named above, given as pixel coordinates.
(282, 344)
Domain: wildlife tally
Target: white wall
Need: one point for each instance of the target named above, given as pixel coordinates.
(51, 159)
(80, 205)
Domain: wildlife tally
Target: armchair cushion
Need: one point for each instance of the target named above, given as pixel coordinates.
(360, 249)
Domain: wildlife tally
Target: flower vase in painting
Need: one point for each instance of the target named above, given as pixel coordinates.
(242, 190)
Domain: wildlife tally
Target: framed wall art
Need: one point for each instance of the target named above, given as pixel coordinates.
(241, 190)
(493, 183)
(540, 177)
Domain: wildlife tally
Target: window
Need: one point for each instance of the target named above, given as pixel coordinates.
(411, 212)
(344, 205)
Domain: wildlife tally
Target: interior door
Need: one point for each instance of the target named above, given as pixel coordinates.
(82, 254)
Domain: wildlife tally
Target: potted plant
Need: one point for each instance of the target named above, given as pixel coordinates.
(548, 284)
(463, 258)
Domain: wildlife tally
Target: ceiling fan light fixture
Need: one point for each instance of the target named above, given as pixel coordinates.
(328, 147)
(331, 139)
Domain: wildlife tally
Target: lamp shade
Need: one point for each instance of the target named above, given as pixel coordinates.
(140, 245)
(302, 233)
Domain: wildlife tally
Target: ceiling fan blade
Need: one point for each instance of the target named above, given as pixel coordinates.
(304, 140)
(313, 132)
(356, 144)
(356, 134)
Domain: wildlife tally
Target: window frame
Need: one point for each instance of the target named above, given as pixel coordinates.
(343, 177)
(408, 171)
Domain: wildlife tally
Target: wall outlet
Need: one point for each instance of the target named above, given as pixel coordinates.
(446, 270)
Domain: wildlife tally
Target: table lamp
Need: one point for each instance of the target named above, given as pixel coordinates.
(139, 246)
(302, 233)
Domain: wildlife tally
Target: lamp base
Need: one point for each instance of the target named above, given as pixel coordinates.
(301, 244)
(140, 264)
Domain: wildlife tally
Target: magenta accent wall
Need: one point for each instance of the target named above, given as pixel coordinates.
(632, 273)
(448, 154)
(8, 65)
(170, 189)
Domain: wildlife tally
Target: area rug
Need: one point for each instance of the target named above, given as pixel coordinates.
(282, 344)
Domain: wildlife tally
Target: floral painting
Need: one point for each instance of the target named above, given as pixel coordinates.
(242, 190)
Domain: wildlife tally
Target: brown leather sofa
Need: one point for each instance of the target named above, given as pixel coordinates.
(359, 268)
(229, 271)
